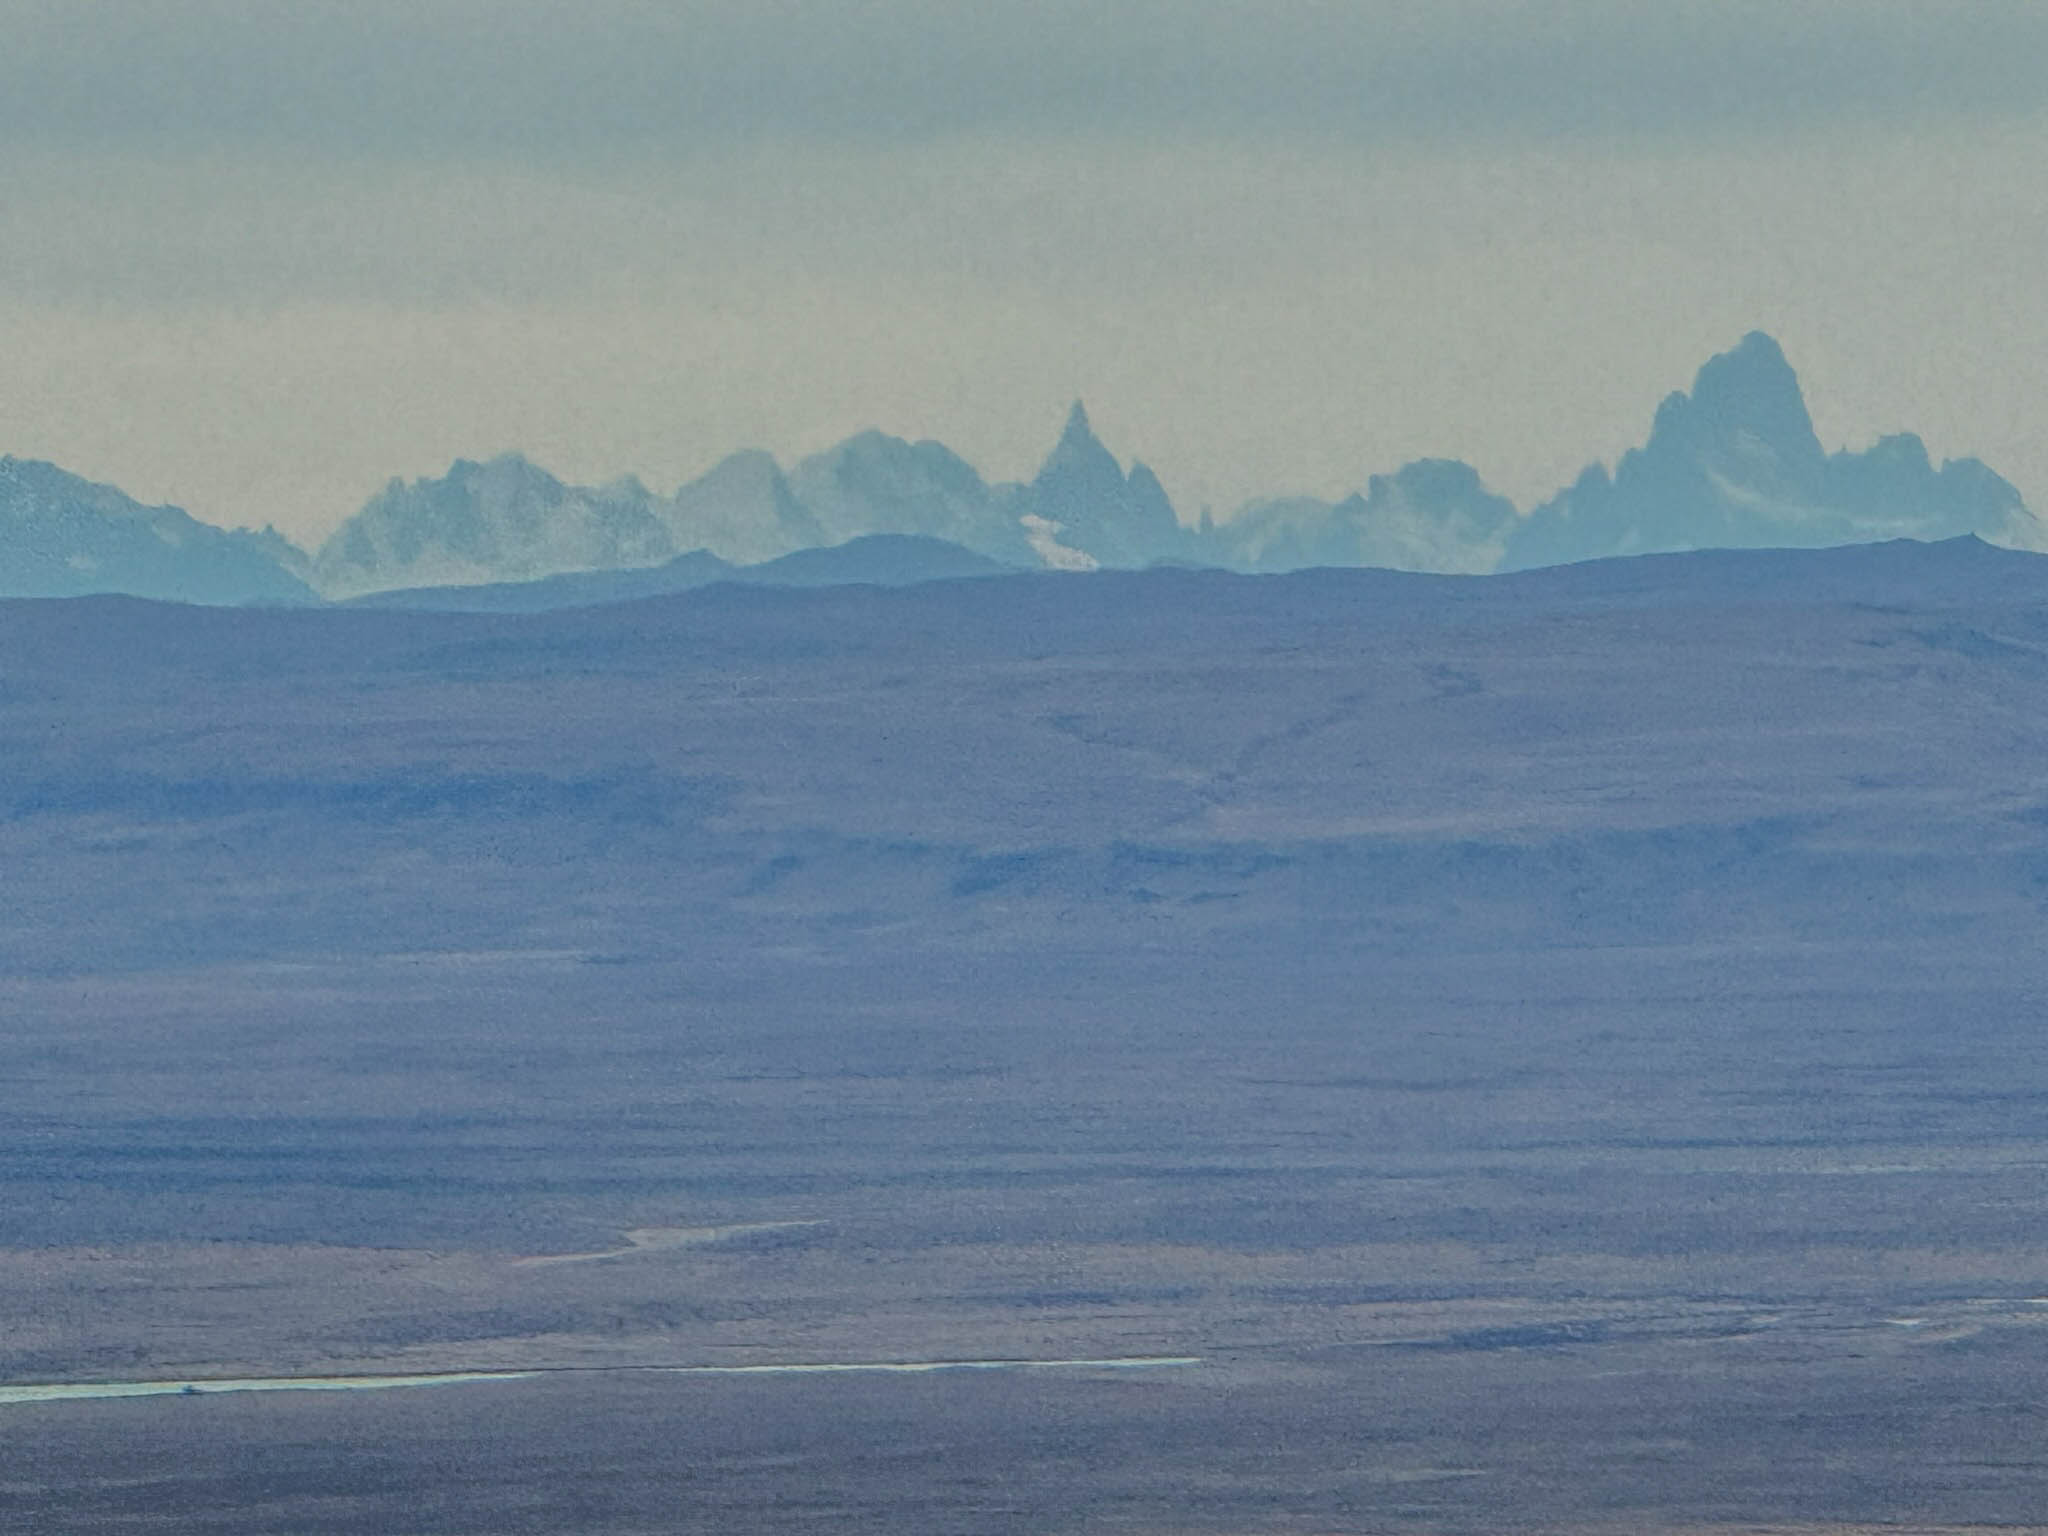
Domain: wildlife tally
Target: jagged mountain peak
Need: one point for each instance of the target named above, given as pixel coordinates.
(749, 466)
(1429, 515)
(1756, 358)
(873, 483)
(1746, 399)
(873, 452)
(1080, 455)
(503, 518)
(1440, 478)
(509, 467)
(1143, 481)
(872, 442)
(1083, 507)
(742, 509)
(64, 536)
(1736, 464)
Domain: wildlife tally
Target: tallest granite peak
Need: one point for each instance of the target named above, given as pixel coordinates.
(1748, 393)
(1735, 464)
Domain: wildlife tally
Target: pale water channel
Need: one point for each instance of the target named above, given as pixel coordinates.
(62, 1392)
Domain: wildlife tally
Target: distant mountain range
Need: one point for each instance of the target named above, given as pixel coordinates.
(1734, 463)
(61, 536)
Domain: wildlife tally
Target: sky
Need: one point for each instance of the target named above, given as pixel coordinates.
(258, 258)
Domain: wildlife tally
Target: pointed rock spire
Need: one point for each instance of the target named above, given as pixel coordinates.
(1749, 391)
(1079, 457)
(1084, 495)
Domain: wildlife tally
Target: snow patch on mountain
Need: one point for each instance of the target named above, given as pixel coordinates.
(1044, 536)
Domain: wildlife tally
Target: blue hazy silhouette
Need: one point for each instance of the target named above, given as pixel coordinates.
(61, 536)
(1734, 463)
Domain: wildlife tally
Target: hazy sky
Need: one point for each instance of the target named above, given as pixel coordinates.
(256, 258)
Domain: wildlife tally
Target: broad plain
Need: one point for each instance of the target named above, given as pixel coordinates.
(1558, 1053)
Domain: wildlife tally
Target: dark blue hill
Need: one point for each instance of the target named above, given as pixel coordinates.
(881, 560)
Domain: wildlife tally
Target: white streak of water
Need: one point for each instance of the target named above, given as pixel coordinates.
(73, 1391)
